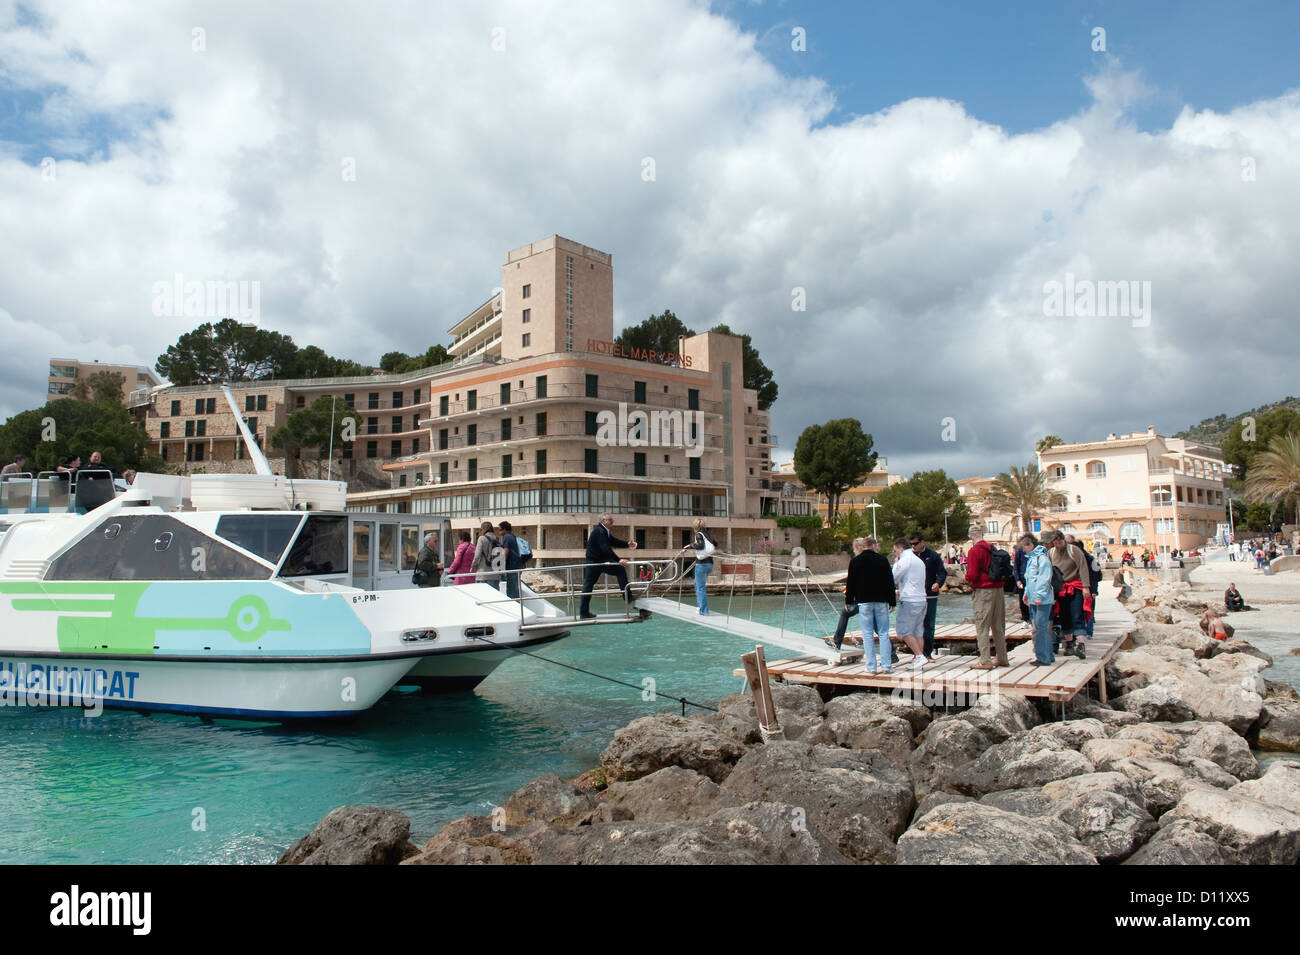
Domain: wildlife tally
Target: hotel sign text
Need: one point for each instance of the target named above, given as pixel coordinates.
(601, 347)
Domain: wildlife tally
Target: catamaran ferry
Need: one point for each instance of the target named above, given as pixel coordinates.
(248, 596)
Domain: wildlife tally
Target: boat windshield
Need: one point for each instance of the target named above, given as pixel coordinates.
(266, 535)
(321, 547)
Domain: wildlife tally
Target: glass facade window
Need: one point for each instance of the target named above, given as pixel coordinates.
(165, 429)
(372, 400)
(541, 454)
(471, 400)
(507, 466)
(592, 427)
(693, 399)
(443, 404)
(593, 386)
(541, 424)
(638, 464)
(397, 399)
(505, 393)
(176, 409)
(541, 386)
(589, 462)
(695, 469)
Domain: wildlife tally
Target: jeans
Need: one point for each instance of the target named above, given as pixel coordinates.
(589, 578)
(844, 625)
(931, 611)
(702, 571)
(875, 622)
(1072, 614)
(1091, 617)
(1041, 615)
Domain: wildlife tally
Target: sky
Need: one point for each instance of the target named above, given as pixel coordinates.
(966, 225)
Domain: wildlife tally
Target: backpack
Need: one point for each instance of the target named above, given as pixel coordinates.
(706, 552)
(1000, 568)
(1058, 581)
(525, 550)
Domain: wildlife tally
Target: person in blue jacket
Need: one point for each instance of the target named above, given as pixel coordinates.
(1038, 597)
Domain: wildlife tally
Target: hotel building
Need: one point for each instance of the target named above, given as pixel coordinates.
(1139, 490)
(540, 418)
(1127, 491)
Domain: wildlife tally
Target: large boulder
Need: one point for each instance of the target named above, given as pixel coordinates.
(858, 708)
(1183, 743)
(354, 835)
(550, 800)
(651, 743)
(1159, 700)
(948, 745)
(863, 842)
(937, 799)
(1000, 716)
(798, 709)
(1179, 843)
(890, 735)
(1072, 733)
(827, 783)
(1020, 762)
(1279, 725)
(757, 833)
(1248, 831)
(973, 833)
(1280, 786)
(1104, 811)
(672, 793)
(478, 840)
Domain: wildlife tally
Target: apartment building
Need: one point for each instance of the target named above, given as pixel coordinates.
(1139, 490)
(540, 417)
(137, 380)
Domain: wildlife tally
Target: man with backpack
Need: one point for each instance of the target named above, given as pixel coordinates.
(1075, 576)
(987, 571)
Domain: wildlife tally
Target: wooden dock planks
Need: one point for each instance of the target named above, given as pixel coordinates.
(951, 674)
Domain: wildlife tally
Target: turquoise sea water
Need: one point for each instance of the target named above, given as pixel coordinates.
(127, 787)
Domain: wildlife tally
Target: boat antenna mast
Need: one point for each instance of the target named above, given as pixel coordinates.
(260, 464)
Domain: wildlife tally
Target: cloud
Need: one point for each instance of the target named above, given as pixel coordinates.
(922, 235)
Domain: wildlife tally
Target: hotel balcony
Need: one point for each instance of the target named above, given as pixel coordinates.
(477, 329)
(577, 468)
(554, 429)
(561, 391)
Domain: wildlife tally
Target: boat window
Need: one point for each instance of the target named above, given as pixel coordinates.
(321, 548)
(152, 547)
(266, 535)
(410, 546)
(387, 546)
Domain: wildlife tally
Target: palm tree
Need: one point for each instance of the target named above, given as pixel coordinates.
(1274, 474)
(849, 525)
(1048, 441)
(1024, 492)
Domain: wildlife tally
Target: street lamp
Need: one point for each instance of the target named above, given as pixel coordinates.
(873, 505)
(946, 511)
(1164, 556)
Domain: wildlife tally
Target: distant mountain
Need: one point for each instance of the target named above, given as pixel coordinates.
(1215, 430)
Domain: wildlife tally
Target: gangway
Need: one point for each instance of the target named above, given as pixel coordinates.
(737, 626)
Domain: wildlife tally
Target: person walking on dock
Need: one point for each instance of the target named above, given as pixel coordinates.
(936, 575)
(704, 547)
(987, 602)
(1073, 565)
(601, 560)
(851, 604)
(909, 574)
(1037, 596)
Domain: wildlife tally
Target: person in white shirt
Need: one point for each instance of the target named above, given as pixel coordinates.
(909, 576)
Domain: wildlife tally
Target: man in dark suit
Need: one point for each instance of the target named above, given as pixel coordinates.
(601, 560)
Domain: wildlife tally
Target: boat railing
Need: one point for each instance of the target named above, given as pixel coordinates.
(54, 492)
(662, 573)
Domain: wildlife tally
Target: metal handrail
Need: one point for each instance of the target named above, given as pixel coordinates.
(665, 571)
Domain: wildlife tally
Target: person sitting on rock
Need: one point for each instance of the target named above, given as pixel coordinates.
(1232, 598)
